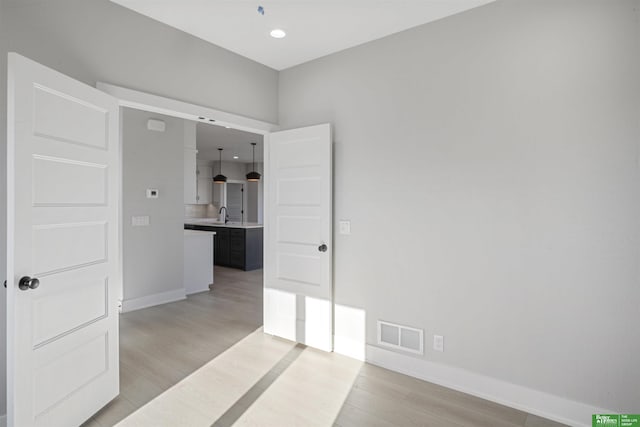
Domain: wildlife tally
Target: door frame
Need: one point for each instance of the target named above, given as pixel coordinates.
(170, 107)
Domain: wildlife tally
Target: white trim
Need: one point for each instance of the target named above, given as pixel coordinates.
(3, 420)
(515, 396)
(151, 300)
(171, 107)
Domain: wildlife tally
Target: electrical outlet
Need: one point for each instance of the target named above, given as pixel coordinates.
(438, 343)
(345, 227)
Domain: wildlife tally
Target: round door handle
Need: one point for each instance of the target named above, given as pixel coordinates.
(27, 283)
(322, 248)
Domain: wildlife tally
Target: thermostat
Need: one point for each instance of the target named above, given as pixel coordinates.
(152, 193)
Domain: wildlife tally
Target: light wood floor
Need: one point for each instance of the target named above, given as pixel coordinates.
(161, 346)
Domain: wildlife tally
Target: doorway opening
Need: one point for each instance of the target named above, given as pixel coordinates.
(169, 331)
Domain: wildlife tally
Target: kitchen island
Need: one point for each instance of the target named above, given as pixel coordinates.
(198, 260)
(237, 245)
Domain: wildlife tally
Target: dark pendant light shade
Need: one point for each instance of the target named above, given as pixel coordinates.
(253, 176)
(220, 179)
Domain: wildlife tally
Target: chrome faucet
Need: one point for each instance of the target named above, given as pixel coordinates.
(226, 215)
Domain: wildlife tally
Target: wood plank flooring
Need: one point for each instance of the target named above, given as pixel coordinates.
(161, 346)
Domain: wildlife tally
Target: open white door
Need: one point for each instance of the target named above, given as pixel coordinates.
(63, 185)
(298, 295)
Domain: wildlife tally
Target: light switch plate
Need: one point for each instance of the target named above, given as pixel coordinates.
(345, 227)
(140, 221)
(438, 343)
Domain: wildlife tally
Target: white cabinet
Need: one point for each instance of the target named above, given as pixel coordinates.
(190, 181)
(205, 185)
(190, 152)
(220, 194)
(198, 177)
(204, 191)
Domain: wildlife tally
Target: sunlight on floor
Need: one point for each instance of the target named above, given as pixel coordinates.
(309, 388)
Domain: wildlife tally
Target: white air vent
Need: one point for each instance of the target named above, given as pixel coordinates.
(400, 337)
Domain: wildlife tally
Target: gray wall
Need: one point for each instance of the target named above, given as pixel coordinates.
(153, 255)
(232, 170)
(511, 132)
(96, 40)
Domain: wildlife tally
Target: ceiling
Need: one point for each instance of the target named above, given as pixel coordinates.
(234, 142)
(314, 28)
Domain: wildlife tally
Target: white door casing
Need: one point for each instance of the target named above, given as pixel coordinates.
(63, 198)
(298, 297)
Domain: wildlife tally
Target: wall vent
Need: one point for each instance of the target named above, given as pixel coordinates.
(400, 337)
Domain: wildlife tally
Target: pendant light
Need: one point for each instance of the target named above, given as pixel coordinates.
(220, 179)
(253, 176)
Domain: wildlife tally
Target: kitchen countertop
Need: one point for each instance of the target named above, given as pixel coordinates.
(198, 232)
(214, 223)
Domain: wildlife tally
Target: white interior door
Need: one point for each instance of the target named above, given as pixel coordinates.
(63, 185)
(298, 249)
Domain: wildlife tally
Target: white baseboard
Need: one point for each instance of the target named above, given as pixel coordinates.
(197, 291)
(3, 420)
(151, 300)
(525, 399)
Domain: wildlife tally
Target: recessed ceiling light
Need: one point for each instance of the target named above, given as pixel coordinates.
(277, 33)
(235, 157)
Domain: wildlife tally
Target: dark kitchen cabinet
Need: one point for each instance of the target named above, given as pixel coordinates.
(221, 246)
(235, 247)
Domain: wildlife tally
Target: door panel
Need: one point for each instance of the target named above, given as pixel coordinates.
(298, 287)
(51, 319)
(88, 361)
(301, 269)
(63, 195)
(59, 247)
(86, 123)
(235, 202)
(77, 183)
(299, 192)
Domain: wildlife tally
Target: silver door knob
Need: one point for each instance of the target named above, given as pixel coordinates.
(322, 248)
(27, 283)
